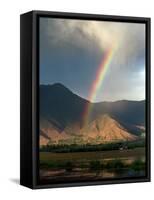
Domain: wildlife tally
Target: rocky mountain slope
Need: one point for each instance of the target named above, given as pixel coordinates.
(61, 118)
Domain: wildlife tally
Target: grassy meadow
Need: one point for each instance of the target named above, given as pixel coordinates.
(92, 165)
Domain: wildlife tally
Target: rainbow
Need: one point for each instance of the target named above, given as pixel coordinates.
(100, 74)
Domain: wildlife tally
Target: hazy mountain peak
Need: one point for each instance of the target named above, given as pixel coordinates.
(58, 85)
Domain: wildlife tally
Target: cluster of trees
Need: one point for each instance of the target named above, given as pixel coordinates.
(116, 164)
(96, 165)
(91, 147)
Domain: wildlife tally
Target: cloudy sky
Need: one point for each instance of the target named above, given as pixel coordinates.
(72, 50)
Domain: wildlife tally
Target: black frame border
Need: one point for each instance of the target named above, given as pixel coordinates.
(35, 94)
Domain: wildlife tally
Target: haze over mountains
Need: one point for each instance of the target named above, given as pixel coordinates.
(61, 118)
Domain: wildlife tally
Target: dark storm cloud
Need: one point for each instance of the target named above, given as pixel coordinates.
(71, 51)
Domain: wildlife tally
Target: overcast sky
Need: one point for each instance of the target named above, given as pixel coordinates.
(71, 51)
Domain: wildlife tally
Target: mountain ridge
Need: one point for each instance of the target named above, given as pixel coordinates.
(60, 85)
(61, 110)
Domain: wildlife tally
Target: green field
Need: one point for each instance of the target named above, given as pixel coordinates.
(75, 156)
(92, 165)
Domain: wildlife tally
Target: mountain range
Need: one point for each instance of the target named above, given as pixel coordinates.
(61, 118)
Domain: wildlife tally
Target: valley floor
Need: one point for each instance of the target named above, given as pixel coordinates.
(86, 166)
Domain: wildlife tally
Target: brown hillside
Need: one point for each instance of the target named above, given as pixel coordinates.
(108, 129)
(103, 129)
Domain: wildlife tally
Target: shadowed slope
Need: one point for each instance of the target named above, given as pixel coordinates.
(61, 114)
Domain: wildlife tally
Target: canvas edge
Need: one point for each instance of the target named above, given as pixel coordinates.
(26, 146)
